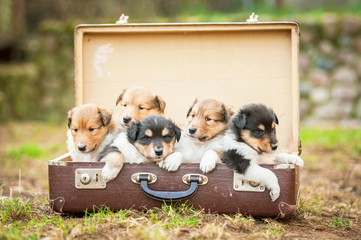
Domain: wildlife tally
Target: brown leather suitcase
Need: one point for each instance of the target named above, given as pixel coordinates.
(237, 63)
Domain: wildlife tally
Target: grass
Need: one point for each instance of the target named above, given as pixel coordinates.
(329, 200)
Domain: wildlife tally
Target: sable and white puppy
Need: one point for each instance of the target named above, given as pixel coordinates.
(251, 140)
(136, 103)
(149, 140)
(202, 137)
(90, 130)
(132, 105)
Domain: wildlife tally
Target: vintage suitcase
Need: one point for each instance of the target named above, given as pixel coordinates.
(237, 63)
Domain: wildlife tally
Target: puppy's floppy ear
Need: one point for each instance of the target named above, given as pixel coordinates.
(120, 97)
(160, 103)
(190, 109)
(105, 116)
(226, 113)
(178, 132)
(132, 132)
(240, 120)
(276, 119)
(70, 115)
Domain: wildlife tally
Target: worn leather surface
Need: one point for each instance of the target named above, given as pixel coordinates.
(216, 196)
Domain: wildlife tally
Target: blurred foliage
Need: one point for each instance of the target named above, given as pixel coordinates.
(37, 68)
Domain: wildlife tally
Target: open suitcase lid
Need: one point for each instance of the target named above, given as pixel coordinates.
(237, 63)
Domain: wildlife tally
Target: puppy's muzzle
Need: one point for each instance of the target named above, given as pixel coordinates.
(126, 119)
(192, 130)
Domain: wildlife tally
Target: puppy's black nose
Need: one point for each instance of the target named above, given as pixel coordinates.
(126, 119)
(274, 147)
(158, 152)
(82, 147)
(192, 130)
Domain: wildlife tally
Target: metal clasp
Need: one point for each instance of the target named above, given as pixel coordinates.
(241, 185)
(152, 178)
(202, 180)
(89, 178)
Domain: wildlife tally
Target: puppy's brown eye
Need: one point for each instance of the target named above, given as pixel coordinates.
(91, 129)
(259, 131)
(193, 115)
(207, 119)
(75, 130)
(124, 105)
(140, 108)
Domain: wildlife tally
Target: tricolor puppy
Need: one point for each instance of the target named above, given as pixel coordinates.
(202, 137)
(155, 138)
(136, 103)
(90, 130)
(149, 140)
(251, 140)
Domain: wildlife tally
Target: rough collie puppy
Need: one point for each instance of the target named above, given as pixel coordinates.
(136, 103)
(132, 105)
(251, 140)
(149, 140)
(202, 136)
(90, 130)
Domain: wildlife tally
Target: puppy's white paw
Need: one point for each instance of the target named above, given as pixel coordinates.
(172, 162)
(110, 173)
(207, 165)
(275, 193)
(291, 159)
(209, 161)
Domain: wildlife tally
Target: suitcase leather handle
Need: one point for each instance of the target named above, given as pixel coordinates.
(169, 196)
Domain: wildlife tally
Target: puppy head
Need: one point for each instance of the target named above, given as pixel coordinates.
(154, 137)
(89, 125)
(206, 119)
(136, 103)
(255, 124)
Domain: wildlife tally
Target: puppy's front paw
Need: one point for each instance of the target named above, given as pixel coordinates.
(275, 193)
(291, 158)
(207, 165)
(110, 173)
(172, 162)
(209, 161)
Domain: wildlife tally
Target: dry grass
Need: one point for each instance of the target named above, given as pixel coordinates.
(329, 207)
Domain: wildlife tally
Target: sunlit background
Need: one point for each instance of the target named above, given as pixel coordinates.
(37, 61)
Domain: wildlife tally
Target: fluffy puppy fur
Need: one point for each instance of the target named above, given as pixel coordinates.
(136, 103)
(132, 105)
(202, 136)
(149, 140)
(251, 140)
(90, 130)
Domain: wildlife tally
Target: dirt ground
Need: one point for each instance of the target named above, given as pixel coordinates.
(329, 207)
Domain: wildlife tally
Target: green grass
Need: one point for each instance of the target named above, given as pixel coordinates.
(349, 139)
(340, 222)
(29, 149)
(14, 209)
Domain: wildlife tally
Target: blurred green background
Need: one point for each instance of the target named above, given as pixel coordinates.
(37, 61)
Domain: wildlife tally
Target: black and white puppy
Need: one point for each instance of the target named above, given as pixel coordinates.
(250, 140)
(149, 140)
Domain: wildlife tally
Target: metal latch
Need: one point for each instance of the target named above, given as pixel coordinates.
(89, 178)
(242, 185)
(152, 178)
(202, 180)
